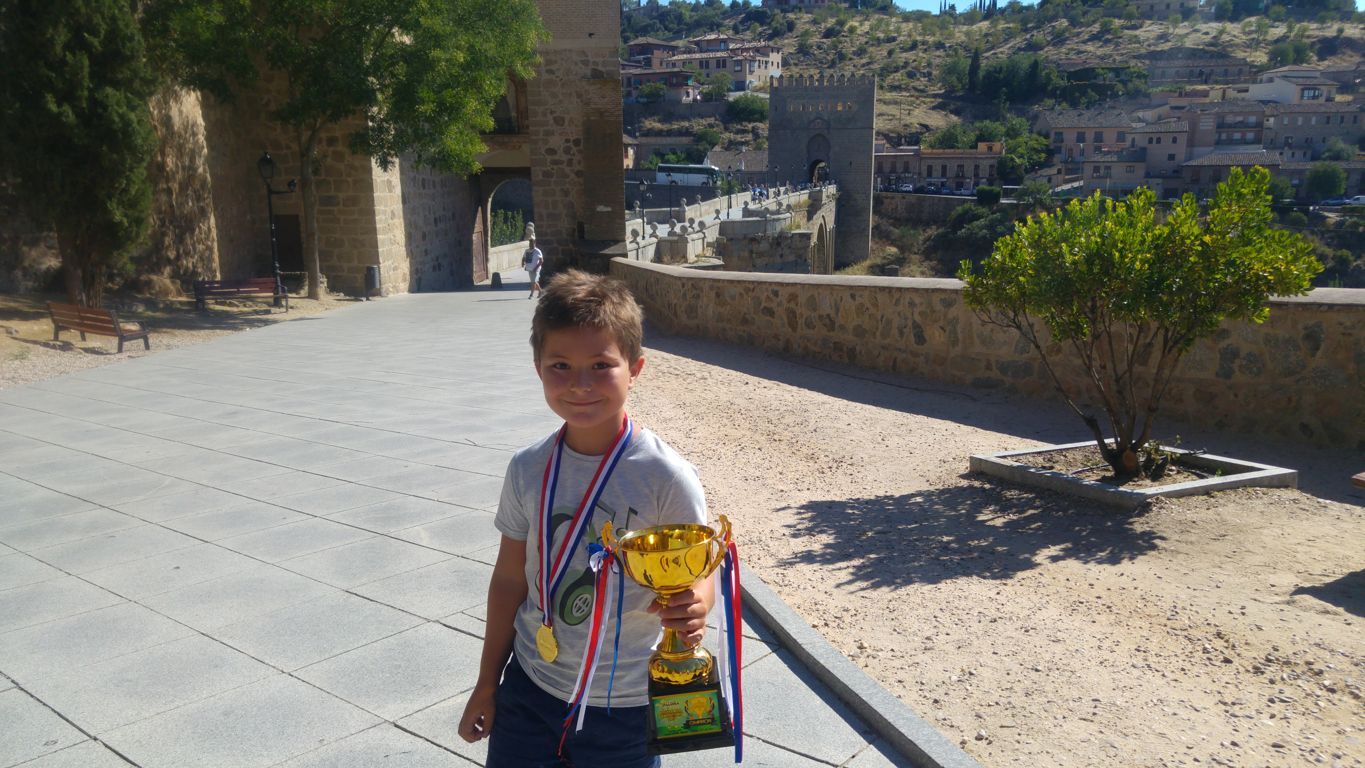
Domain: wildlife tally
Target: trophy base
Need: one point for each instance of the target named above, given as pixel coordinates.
(684, 718)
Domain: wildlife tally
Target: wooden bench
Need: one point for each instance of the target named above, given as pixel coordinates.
(101, 322)
(251, 288)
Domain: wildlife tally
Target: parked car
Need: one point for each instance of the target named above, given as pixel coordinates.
(929, 189)
(1357, 200)
(1334, 201)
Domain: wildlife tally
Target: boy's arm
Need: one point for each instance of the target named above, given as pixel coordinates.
(507, 590)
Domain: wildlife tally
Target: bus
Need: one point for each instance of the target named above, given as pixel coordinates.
(687, 175)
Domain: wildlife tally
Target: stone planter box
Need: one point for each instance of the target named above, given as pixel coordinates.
(1235, 474)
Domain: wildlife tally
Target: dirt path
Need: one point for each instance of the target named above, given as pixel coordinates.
(1033, 630)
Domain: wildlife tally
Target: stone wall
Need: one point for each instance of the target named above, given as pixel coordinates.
(436, 236)
(919, 209)
(785, 251)
(1299, 376)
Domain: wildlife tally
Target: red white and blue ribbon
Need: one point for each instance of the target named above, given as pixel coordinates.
(732, 644)
(554, 566)
(603, 561)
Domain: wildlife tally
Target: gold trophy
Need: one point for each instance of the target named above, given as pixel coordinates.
(686, 701)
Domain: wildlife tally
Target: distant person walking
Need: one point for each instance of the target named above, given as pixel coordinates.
(533, 260)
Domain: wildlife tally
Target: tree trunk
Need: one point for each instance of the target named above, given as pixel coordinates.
(71, 268)
(307, 144)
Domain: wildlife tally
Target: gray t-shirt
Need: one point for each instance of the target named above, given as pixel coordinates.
(652, 485)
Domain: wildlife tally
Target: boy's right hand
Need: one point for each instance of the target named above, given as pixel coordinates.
(477, 721)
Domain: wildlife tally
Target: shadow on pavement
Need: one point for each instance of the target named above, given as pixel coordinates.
(1346, 593)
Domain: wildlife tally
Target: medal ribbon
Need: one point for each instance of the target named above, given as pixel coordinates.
(732, 645)
(553, 568)
(603, 561)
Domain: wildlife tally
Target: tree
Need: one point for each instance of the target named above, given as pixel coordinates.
(715, 87)
(1034, 195)
(1280, 189)
(423, 74)
(75, 131)
(974, 72)
(1338, 150)
(1325, 180)
(1128, 294)
(650, 93)
(747, 108)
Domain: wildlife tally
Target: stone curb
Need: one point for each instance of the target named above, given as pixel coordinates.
(892, 720)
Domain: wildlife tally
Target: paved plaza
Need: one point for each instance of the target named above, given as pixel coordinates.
(273, 549)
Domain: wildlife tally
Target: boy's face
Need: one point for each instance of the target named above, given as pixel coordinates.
(586, 378)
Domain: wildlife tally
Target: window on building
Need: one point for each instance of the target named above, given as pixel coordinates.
(1095, 172)
(1158, 139)
(976, 170)
(879, 166)
(1121, 137)
(1127, 169)
(905, 166)
(1098, 137)
(1170, 158)
(960, 173)
(1057, 137)
(1080, 137)
(1150, 140)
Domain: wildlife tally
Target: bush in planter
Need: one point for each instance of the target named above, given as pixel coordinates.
(1129, 293)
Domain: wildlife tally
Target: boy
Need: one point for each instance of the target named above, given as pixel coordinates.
(586, 337)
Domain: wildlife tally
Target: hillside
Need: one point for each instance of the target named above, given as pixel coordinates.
(909, 51)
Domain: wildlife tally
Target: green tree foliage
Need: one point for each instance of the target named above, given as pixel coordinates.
(75, 131)
(1289, 52)
(651, 93)
(1324, 180)
(1034, 196)
(508, 227)
(1127, 293)
(987, 195)
(747, 108)
(707, 138)
(974, 72)
(715, 87)
(1024, 150)
(424, 74)
(1338, 151)
(1280, 189)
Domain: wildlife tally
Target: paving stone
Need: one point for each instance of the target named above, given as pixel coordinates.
(18, 570)
(364, 561)
(59, 646)
(435, 591)
(757, 754)
(486, 555)
(772, 692)
(31, 729)
(113, 548)
(154, 575)
(395, 514)
(50, 600)
(58, 530)
(284, 484)
(382, 746)
(338, 498)
(87, 754)
(103, 696)
(421, 479)
(465, 623)
(294, 539)
(236, 597)
(318, 629)
(402, 674)
(879, 755)
(234, 521)
(481, 492)
(118, 490)
(439, 723)
(196, 501)
(29, 503)
(459, 534)
(255, 726)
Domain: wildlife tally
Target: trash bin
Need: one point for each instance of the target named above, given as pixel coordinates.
(371, 280)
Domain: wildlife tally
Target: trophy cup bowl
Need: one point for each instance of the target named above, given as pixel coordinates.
(669, 559)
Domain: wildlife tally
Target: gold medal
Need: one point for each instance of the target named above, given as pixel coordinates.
(546, 644)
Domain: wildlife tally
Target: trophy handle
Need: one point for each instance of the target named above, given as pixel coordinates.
(719, 544)
(608, 536)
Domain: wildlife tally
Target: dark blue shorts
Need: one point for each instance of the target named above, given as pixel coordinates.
(528, 722)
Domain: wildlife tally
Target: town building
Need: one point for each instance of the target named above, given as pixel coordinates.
(1199, 66)
(1162, 9)
(1115, 173)
(1293, 85)
(1311, 125)
(679, 87)
(1225, 126)
(1167, 147)
(749, 63)
(1202, 175)
(1076, 133)
(650, 52)
(955, 169)
(795, 3)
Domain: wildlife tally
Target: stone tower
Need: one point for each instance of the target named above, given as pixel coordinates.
(822, 126)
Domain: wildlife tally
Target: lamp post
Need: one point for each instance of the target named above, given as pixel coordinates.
(266, 167)
(671, 185)
(729, 190)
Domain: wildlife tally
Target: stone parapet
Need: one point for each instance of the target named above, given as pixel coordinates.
(1300, 375)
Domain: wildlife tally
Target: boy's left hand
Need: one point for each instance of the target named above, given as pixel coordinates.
(684, 614)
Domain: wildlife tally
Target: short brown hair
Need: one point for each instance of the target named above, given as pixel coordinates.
(575, 299)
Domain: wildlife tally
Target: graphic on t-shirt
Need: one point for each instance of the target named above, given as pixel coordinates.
(576, 591)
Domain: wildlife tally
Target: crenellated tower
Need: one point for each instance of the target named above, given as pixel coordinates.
(822, 127)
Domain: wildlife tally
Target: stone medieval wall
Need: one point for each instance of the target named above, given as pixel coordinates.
(1300, 376)
(436, 237)
(574, 101)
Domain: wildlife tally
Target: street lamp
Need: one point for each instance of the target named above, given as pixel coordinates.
(266, 167)
(671, 185)
(729, 189)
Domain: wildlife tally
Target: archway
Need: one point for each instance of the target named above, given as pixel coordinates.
(510, 209)
(479, 246)
(821, 257)
(817, 159)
